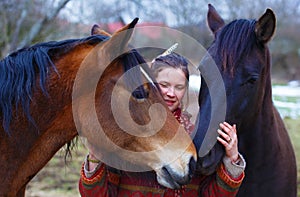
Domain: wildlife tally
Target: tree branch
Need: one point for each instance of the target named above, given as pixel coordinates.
(15, 37)
(38, 26)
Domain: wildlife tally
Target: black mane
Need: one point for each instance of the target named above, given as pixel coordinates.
(132, 62)
(19, 71)
(235, 40)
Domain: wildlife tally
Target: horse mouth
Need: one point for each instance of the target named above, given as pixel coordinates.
(165, 179)
(169, 178)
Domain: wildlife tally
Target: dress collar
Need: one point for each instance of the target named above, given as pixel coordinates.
(177, 113)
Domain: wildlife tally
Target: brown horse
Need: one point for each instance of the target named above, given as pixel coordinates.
(238, 83)
(42, 111)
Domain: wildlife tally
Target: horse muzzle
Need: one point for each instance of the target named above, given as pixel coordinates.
(175, 174)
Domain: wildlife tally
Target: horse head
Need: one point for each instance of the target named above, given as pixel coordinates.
(137, 131)
(235, 78)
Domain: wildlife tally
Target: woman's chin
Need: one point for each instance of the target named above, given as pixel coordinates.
(172, 108)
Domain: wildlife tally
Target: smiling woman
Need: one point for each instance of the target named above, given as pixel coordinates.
(172, 74)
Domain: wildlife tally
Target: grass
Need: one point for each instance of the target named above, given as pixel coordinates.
(60, 179)
(293, 126)
(289, 99)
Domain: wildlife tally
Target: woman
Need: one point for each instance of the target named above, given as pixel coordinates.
(97, 179)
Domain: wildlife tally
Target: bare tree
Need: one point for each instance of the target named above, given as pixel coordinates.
(28, 21)
(103, 12)
(23, 21)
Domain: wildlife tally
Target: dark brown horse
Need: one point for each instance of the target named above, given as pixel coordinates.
(237, 85)
(41, 112)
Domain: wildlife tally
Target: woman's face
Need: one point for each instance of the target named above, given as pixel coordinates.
(172, 82)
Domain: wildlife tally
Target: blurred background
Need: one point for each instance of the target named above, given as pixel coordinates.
(26, 22)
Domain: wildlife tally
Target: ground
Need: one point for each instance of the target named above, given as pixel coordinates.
(58, 178)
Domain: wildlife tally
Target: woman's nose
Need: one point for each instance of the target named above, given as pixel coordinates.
(171, 92)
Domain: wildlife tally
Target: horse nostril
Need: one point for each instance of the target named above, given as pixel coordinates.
(192, 166)
(165, 170)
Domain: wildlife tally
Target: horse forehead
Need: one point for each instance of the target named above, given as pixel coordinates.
(247, 55)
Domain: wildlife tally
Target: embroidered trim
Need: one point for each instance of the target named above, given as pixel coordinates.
(93, 160)
(232, 182)
(113, 178)
(142, 188)
(93, 179)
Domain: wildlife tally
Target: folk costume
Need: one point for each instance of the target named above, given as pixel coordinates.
(105, 181)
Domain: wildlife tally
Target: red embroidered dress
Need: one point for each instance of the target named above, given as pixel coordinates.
(108, 182)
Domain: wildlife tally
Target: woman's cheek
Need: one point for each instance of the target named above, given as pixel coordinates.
(180, 95)
(163, 90)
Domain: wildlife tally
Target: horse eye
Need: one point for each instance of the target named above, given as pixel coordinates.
(141, 93)
(252, 79)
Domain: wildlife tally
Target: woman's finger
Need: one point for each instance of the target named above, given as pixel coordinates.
(224, 135)
(224, 142)
(234, 128)
(227, 125)
(226, 128)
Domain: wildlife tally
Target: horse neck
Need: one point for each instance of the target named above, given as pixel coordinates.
(262, 127)
(60, 87)
(55, 126)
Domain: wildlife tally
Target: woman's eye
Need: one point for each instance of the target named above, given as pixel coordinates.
(180, 87)
(163, 85)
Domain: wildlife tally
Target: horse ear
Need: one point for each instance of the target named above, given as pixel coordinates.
(265, 26)
(119, 40)
(96, 30)
(214, 20)
(129, 26)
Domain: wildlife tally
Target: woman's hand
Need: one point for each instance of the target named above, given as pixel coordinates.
(229, 140)
(93, 160)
